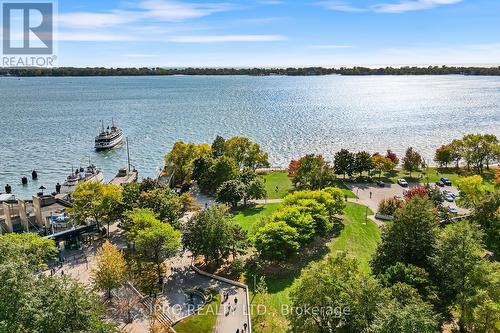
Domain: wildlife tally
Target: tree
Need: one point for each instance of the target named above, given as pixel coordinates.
(457, 152)
(32, 248)
(218, 147)
(477, 150)
(312, 172)
(158, 243)
(389, 206)
(246, 153)
(212, 234)
(179, 161)
(346, 299)
(410, 238)
(461, 272)
(412, 160)
(444, 155)
(299, 219)
(136, 220)
(231, 191)
(363, 162)
(486, 214)
(344, 162)
(472, 190)
(417, 191)
(406, 317)
(382, 164)
(130, 194)
(276, 241)
(293, 168)
(46, 304)
(165, 203)
(98, 201)
(111, 268)
(378, 162)
(331, 198)
(255, 190)
(393, 157)
(413, 276)
(223, 169)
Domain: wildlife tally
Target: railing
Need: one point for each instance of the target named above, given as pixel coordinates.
(235, 283)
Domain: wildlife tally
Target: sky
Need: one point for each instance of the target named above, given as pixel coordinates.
(277, 33)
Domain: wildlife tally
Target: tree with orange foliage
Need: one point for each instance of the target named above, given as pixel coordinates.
(293, 168)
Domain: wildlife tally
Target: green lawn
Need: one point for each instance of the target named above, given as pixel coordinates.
(202, 322)
(278, 179)
(247, 217)
(359, 237)
(339, 184)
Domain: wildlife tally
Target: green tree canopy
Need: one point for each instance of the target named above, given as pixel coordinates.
(110, 269)
(410, 238)
(345, 300)
(444, 155)
(344, 162)
(276, 241)
(464, 277)
(311, 172)
(158, 243)
(246, 153)
(212, 234)
(32, 248)
(97, 201)
(412, 160)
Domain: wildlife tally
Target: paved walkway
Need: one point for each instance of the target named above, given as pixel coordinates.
(183, 278)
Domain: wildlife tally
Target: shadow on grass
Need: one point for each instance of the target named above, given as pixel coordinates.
(248, 210)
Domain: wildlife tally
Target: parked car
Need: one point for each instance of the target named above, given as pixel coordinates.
(440, 184)
(402, 182)
(446, 192)
(380, 183)
(449, 198)
(445, 181)
(452, 210)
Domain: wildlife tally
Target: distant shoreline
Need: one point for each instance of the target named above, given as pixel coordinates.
(306, 71)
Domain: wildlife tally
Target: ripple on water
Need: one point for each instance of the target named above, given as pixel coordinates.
(52, 125)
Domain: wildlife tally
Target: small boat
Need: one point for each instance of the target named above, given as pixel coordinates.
(109, 137)
(88, 174)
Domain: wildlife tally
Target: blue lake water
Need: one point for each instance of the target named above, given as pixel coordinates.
(49, 124)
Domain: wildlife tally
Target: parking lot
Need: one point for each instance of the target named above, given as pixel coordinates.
(370, 194)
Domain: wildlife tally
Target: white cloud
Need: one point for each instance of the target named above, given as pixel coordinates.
(159, 10)
(226, 38)
(93, 37)
(95, 20)
(396, 7)
(139, 55)
(329, 47)
(272, 2)
(180, 11)
(340, 6)
(405, 6)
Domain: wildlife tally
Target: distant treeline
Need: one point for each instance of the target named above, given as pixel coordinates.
(101, 71)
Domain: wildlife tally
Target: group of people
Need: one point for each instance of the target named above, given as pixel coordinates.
(229, 308)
